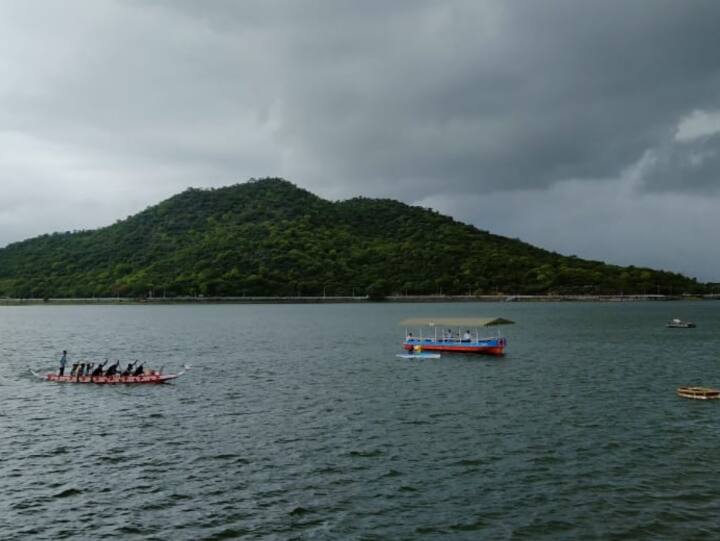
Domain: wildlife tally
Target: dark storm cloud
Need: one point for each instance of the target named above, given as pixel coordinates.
(469, 95)
(482, 95)
(472, 95)
(108, 106)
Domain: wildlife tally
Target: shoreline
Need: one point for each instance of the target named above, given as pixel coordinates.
(348, 300)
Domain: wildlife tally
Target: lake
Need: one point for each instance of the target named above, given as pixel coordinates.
(298, 422)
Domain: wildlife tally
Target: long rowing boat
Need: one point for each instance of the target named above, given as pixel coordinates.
(152, 377)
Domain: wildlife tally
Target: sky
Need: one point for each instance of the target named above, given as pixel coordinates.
(587, 128)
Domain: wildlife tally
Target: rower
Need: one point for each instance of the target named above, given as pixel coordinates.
(113, 369)
(138, 371)
(128, 371)
(99, 369)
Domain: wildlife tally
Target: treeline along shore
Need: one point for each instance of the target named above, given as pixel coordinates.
(351, 300)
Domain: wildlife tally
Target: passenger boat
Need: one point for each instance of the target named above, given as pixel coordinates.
(460, 335)
(676, 323)
(699, 393)
(152, 377)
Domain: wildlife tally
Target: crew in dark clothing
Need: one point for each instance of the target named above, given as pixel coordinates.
(128, 371)
(138, 371)
(73, 369)
(113, 370)
(98, 371)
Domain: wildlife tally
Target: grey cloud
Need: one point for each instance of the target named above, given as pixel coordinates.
(554, 91)
(602, 220)
(683, 166)
(491, 95)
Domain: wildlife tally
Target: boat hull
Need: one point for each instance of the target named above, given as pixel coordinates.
(494, 346)
(699, 393)
(112, 380)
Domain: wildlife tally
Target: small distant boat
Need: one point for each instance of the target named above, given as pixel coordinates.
(676, 323)
(418, 356)
(699, 393)
(454, 335)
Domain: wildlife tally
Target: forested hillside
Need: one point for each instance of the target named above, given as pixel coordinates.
(268, 237)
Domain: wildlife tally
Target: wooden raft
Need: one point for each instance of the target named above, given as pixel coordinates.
(699, 393)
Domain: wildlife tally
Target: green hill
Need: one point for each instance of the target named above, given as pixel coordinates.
(268, 237)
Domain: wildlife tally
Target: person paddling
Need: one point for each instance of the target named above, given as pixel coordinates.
(98, 370)
(129, 370)
(112, 370)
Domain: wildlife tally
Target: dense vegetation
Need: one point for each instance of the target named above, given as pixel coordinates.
(268, 237)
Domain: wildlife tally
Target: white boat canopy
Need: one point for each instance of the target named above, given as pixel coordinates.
(455, 321)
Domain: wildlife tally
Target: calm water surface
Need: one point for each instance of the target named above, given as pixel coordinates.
(298, 422)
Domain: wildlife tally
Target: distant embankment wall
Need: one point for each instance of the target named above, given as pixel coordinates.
(350, 300)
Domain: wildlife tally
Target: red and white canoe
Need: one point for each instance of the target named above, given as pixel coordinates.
(152, 377)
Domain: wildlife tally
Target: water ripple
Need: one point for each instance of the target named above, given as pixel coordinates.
(294, 424)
